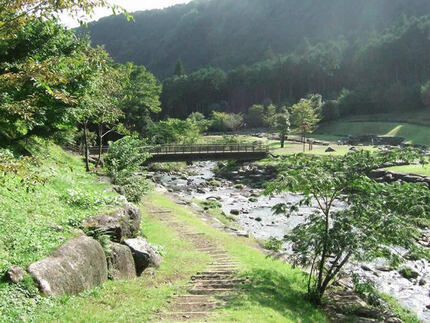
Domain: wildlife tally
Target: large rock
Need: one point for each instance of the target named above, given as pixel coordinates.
(122, 224)
(120, 262)
(143, 254)
(77, 265)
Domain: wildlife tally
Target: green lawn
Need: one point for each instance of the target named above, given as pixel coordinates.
(412, 169)
(416, 134)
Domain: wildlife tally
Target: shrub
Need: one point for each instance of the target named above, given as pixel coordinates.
(125, 157)
(123, 161)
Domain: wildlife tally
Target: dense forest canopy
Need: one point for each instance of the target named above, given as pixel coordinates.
(228, 33)
(365, 56)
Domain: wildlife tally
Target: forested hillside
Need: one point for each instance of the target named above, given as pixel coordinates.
(365, 56)
(228, 33)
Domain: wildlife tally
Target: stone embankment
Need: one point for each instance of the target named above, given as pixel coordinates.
(83, 263)
(383, 175)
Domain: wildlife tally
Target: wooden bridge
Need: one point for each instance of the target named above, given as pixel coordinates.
(188, 153)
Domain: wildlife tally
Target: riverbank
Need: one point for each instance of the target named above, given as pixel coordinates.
(248, 212)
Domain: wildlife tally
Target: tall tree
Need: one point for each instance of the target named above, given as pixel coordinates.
(282, 125)
(305, 117)
(179, 69)
(141, 97)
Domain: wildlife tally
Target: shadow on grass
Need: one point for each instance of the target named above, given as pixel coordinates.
(281, 292)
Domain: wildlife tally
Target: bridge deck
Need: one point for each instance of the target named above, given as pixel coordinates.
(169, 153)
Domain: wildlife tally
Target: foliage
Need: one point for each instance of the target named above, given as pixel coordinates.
(377, 215)
(125, 157)
(281, 123)
(380, 57)
(141, 97)
(425, 94)
(175, 131)
(273, 244)
(124, 163)
(223, 122)
(305, 114)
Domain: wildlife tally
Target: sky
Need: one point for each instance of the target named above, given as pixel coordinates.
(129, 5)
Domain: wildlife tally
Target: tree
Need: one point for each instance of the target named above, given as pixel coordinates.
(377, 216)
(141, 97)
(44, 70)
(222, 121)
(179, 69)
(282, 125)
(175, 131)
(255, 116)
(305, 116)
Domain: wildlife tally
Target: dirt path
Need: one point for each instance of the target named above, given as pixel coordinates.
(206, 290)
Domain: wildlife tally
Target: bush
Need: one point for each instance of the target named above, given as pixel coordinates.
(125, 156)
(222, 121)
(123, 161)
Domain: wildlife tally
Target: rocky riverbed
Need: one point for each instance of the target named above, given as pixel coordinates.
(252, 212)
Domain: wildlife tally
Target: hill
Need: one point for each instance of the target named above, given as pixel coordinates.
(228, 33)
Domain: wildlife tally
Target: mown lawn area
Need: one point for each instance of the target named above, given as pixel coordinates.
(412, 169)
(415, 134)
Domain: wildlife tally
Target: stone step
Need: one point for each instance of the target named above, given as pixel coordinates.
(216, 272)
(182, 316)
(212, 291)
(220, 280)
(195, 307)
(212, 285)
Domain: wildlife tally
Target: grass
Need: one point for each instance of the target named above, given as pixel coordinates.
(415, 134)
(412, 169)
(275, 292)
(33, 223)
(135, 300)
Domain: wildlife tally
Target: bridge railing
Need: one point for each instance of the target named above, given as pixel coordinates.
(202, 148)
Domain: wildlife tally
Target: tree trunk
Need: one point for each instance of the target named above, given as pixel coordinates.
(304, 142)
(282, 137)
(100, 135)
(87, 152)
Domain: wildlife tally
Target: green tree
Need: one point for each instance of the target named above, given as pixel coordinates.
(255, 116)
(141, 97)
(222, 121)
(179, 69)
(282, 125)
(378, 215)
(305, 116)
(175, 131)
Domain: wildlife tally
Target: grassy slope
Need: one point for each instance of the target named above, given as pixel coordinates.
(275, 293)
(416, 134)
(33, 223)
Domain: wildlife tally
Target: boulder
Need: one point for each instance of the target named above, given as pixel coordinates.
(329, 150)
(15, 274)
(124, 223)
(143, 254)
(120, 262)
(77, 265)
(234, 212)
